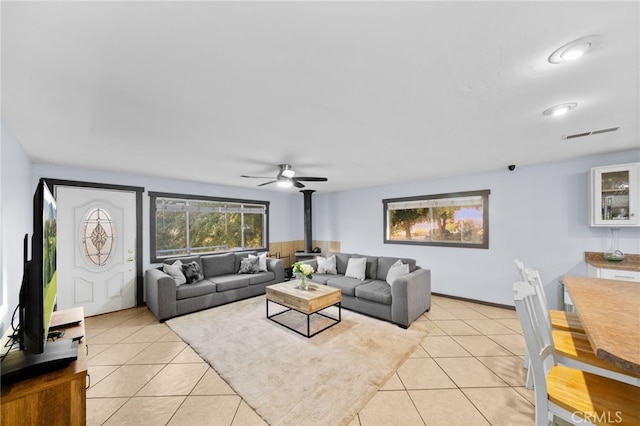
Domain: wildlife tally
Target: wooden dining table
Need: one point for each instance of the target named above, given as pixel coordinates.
(610, 314)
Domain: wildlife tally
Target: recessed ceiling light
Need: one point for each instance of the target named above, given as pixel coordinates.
(574, 49)
(560, 109)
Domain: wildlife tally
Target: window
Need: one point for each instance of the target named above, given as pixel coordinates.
(97, 237)
(455, 220)
(184, 225)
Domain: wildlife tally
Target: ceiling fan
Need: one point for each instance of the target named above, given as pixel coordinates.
(286, 178)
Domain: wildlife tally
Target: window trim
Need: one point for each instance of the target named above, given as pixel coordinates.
(485, 218)
(153, 196)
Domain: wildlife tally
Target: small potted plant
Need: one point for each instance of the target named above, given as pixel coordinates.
(303, 271)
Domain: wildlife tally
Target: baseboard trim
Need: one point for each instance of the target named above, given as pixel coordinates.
(481, 302)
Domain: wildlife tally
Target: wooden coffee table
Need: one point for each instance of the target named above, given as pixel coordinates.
(307, 302)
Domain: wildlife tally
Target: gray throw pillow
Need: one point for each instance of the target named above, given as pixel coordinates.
(249, 265)
(192, 272)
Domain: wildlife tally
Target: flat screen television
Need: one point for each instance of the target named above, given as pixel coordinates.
(38, 296)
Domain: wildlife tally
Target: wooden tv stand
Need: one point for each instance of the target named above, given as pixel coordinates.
(57, 397)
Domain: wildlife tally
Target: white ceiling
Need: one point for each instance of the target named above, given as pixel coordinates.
(364, 93)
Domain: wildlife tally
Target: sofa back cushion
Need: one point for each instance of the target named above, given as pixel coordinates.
(372, 265)
(341, 261)
(219, 264)
(384, 263)
(185, 260)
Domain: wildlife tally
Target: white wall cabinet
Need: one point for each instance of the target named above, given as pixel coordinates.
(615, 195)
(613, 274)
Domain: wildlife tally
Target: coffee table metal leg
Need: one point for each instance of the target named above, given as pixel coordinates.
(308, 335)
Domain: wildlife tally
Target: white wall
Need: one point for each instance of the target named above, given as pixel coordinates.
(16, 205)
(538, 214)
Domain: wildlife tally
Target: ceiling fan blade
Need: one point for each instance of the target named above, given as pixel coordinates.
(297, 184)
(311, 179)
(256, 177)
(267, 183)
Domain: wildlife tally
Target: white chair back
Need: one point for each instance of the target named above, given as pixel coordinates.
(542, 356)
(533, 278)
(521, 267)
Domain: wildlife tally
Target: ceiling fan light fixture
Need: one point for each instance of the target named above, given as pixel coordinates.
(561, 109)
(573, 50)
(285, 183)
(288, 173)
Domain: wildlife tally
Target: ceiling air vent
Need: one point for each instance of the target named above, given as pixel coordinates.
(593, 132)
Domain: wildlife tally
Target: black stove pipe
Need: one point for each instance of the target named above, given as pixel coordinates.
(308, 241)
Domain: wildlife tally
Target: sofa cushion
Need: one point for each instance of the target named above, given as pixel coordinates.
(375, 291)
(384, 263)
(341, 261)
(347, 285)
(219, 264)
(323, 278)
(261, 277)
(249, 265)
(356, 268)
(372, 265)
(192, 272)
(326, 265)
(196, 289)
(230, 282)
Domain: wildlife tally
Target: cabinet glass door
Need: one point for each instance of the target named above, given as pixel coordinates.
(615, 195)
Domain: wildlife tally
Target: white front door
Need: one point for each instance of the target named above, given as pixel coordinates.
(96, 249)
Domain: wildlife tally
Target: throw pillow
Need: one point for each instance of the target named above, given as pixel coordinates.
(262, 261)
(327, 265)
(249, 265)
(192, 272)
(356, 268)
(175, 270)
(397, 270)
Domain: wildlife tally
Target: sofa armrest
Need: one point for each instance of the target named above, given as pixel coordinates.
(276, 266)
(410, 296)
(160, 291)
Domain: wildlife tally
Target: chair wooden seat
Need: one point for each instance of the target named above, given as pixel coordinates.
(573, 394)
(576, 346)
(567, 321)
(594, 398)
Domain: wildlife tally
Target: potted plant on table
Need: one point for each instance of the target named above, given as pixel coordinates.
(303, 271)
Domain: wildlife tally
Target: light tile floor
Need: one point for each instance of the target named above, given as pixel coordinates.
(467, 371)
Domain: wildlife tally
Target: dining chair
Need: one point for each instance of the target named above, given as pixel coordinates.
(573, 349)
(574, 395)
(560, 320)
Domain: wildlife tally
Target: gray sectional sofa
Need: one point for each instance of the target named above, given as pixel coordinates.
(400, 302)
(220, 283)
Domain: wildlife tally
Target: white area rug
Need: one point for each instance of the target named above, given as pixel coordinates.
(289, 379)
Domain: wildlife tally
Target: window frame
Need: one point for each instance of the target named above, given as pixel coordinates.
(153, 196)
(485, 219)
